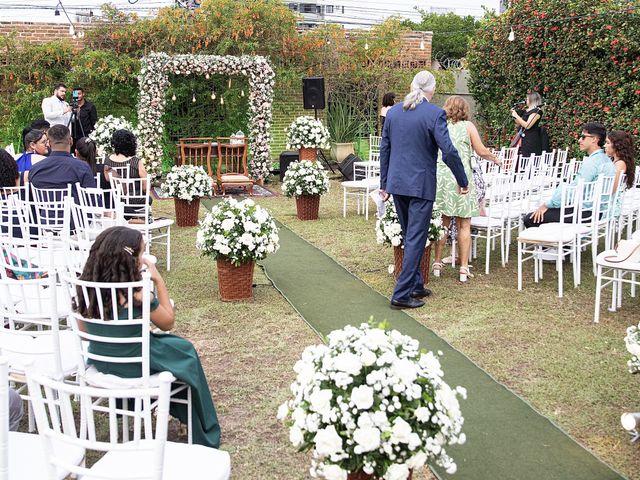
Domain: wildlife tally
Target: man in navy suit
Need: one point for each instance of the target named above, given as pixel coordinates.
(412, 134)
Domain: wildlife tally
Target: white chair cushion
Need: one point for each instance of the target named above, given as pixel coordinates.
(27, 457)
(600, 260)
(23, 349)
(181, 461)
(371, 183)
(105, 380)
(546, 235)
(235, 178)
(484, 222)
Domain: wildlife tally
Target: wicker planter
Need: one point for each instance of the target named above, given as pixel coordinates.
(308, 154)
(308, 207)
(360, 475)
(187, 212)
(235, 283)
(398, 255)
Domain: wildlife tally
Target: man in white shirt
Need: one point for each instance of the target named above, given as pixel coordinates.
(56, 111)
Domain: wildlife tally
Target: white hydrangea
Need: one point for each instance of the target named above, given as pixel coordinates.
(305, 178)
(187, 182)
(307, 132)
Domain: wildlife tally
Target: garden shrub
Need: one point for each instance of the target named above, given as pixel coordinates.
(583, 56)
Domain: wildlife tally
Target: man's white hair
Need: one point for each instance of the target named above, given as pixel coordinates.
(423, 82)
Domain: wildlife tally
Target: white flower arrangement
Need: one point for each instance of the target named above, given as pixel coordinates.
(371, 401)
(103, 132)
(632, 342)
(154, 84)
(187, 182)
(305, 178)
(239, 231)
(307, 132)
(389, 231)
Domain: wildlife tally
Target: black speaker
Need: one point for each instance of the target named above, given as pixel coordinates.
(287, 158)
(313, 93)
(346, 166)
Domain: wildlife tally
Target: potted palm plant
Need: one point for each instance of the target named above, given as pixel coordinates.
(343, 127)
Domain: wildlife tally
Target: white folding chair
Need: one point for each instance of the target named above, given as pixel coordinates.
(91, 215)
(556, 240)
(134, 195)
(374, 148)
(110, 328)
(23, 455)
(494, 224)
(50, 209)
(366, 179)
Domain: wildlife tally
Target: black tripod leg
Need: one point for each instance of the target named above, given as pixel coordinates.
(324, 159)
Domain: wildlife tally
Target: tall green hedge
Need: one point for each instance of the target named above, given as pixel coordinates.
(583, 56)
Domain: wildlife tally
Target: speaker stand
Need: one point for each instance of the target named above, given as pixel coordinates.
(321, 153)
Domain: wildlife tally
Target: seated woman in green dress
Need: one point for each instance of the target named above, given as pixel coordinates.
(117, 256)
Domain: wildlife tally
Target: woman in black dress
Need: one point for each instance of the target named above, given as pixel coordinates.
(529, 126)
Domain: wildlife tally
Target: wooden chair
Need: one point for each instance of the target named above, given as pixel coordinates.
(196, 151)
(232, 165)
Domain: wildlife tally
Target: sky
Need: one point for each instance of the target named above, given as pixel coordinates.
(43, 10)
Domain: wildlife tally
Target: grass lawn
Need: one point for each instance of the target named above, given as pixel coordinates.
(544, 348)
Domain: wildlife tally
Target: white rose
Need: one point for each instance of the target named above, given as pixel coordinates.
(401, 431)
(321, 401)
(327, 441)
(368, 358)
(397, 472)
(227, 224)
(283, 411)
(417, 461)
(423, 414)
(296, 437)
(368, 438)
(362, 397)
(348, 362)
(334, 472)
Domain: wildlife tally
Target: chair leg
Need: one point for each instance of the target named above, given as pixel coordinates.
(519, 266)
(189, 416)
(559, 268)
(488, 252)
(168, 248)
(596, 313)
(614, 291)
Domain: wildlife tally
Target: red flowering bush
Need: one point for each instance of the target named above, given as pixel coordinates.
(583, 56)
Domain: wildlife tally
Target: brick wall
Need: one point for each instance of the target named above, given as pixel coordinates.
(34, 32)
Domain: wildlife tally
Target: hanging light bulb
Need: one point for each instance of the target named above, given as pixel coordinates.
(173, 97)
(221, 100)
(242, 93)
(193, 99)
(229, 83)
(207, 76)
(421, 44)
(512, 35)
(213, 95)
(366, 45)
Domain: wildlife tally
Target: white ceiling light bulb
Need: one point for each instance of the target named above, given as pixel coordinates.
(512, 35)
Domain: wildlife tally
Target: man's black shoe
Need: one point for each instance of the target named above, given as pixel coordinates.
(423, 292)
(412, 303)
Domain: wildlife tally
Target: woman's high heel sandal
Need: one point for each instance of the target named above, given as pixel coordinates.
(465, 274)
(436, 268)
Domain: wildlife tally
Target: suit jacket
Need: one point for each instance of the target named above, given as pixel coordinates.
(409, 151)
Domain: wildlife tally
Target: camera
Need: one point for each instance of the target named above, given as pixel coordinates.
(74, 99)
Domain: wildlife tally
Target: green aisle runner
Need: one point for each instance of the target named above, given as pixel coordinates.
(506, 438)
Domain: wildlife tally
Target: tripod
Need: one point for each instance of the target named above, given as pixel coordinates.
(71, 125)
(321, 153)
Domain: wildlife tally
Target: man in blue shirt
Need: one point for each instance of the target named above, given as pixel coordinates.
(61, 168)
(597, 163)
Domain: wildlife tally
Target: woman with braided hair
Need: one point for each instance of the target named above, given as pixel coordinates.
(117, 256)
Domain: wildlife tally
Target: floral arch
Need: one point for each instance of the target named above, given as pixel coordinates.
(154, 83)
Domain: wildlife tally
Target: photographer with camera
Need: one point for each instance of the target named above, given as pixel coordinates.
(55, 109)
(84, 117)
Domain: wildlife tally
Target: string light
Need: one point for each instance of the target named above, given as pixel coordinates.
(512, 35)
(207, 76)
(242, 93)
(229, 83)
(193, 99)
(213, 95)
(221, 100)
(173, 97)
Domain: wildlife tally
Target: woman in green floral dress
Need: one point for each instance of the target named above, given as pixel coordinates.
(449, 201)
(117, 256)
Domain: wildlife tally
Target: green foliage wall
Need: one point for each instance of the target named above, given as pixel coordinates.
(583, 56)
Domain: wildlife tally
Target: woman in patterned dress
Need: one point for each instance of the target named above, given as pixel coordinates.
(466, 139)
